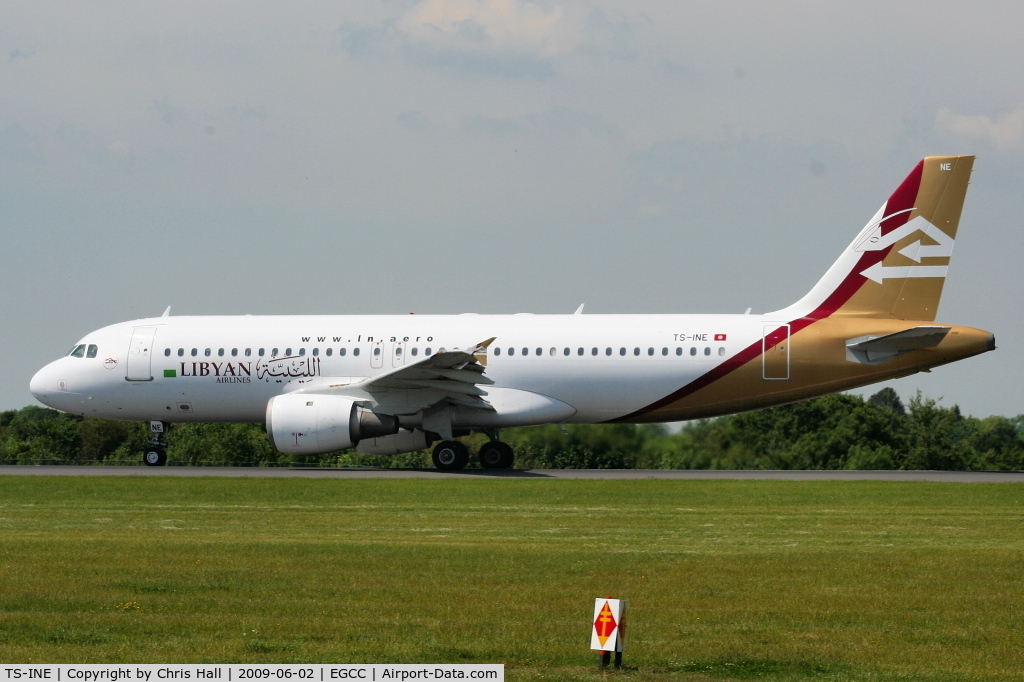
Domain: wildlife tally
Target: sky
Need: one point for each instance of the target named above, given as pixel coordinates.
(493, 156)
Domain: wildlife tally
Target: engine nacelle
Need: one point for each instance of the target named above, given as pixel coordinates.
(312, 424)
(396, 444)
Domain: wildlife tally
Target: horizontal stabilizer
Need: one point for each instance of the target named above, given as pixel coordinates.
(874, 350)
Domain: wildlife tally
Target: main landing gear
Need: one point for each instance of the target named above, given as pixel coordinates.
(496, 455)
(156, 447)
(451, 455)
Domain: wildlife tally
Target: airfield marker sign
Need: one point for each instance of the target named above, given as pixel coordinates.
(608, 633)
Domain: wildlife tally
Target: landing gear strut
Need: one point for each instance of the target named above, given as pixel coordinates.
(450, 455)
(156, 448)
(496, 455)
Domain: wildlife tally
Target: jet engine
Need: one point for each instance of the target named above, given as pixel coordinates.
(311, 424)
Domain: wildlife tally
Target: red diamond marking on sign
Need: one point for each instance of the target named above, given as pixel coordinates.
(605, 624)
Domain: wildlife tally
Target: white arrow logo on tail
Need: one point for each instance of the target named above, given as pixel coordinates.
(879, 272)
(943, 248)
(917, 251)
(875, 241)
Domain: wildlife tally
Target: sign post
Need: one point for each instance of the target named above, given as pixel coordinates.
(609, 630)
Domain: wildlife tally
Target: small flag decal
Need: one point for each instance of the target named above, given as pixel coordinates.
(719, 337)
(170, 373)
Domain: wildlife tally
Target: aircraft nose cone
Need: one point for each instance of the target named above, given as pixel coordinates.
(43, 385)
(36, 385)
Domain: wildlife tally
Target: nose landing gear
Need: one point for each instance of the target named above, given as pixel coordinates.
(156, 448)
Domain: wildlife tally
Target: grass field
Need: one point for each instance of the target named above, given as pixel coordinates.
(726, 579)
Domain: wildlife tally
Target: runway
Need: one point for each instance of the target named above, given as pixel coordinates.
(578, 474)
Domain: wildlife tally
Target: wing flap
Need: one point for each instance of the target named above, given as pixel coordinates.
(447, 375)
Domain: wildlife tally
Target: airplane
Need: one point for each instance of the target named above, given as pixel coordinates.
(399, 383)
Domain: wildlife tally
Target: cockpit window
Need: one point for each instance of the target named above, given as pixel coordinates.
(91, 353)
(78, 351)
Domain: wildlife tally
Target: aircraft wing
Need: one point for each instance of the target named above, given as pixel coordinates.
(452, 375)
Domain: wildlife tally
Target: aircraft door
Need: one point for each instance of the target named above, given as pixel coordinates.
(398, 354)
(377, 355)
(775, 352)
(140, 355)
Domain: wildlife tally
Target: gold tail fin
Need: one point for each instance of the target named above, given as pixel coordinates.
(897, 266)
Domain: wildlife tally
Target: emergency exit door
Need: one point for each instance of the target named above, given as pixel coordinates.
(775, 352)
(140, 355)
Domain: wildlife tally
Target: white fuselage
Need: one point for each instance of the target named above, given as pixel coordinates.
(209, 369)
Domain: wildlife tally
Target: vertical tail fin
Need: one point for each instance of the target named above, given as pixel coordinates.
(897, 265)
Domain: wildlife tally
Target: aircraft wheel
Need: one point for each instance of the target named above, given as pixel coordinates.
(496, 455)
(450, 455)
(155, 457)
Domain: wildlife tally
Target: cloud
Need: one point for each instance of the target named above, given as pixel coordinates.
(17, 147)
(16, 54)
(559, 121)
(514, 38)
(415, 120)
(512, 26)
(169, 113)
(1005, 133)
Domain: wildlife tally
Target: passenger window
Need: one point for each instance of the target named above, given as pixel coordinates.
(287, 352)
(679, 350)
(302, 352)
(206, 352)
(220, 352)
(167, 352)
(341, 352)
(593, 351)
(511, 351)
(693, 350)
(540, 352)
(650, 351)
(608, 350)
(316, 352)
(707, 350)
(248, 352)
(260, 352)
(195, 352)
(553, 352)
(398, 351)
(427, 351)
(355, 351)
(273, 353)
(181, 352)
(376, 352)
(78, 351)
(328, 352)
(636, 351)
(416, 351)
(526, 351)
(497, 351)
(565, 352)
(234, 352)
(721, 350)
(622, 351)
(664, 351)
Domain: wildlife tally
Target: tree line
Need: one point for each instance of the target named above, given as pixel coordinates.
(833, 432)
